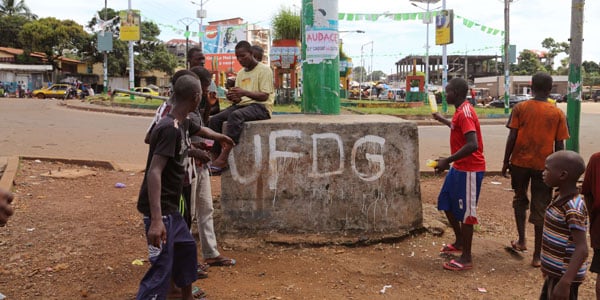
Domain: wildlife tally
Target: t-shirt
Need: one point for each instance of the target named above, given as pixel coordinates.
(168, 139)
(562, 217)
(539, 125)
(465, 120)
(259, 79)
(591, 186)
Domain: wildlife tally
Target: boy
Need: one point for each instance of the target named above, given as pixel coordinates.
(591, 192)
(202, 201)
(564, 245)
(537, 128)
(172, 249)
(6, 209)
(460, 192)
(253, 97)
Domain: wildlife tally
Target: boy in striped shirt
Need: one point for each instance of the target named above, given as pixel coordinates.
(564, 245)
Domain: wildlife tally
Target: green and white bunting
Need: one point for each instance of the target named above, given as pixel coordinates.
(415, 16)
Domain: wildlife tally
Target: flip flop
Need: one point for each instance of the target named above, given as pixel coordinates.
(450, 249)
(453, 265)
(197, 293)
(221, 262)
(216, 171)
(516, 247)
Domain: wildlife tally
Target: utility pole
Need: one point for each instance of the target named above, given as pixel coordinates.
(187, 22)
(105, 64)
(506, 54)
(131, 70)
(574, 88)
(201, 14)
(445, 70)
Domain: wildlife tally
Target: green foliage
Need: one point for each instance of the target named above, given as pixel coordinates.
(529, 64)
(152, 53)
(287, 25)
(359, 73)
(52, 36)
(10, 26)
(18, 8)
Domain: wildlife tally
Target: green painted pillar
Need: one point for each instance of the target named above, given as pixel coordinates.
(320, 57)
(574, 88)
(574, 106)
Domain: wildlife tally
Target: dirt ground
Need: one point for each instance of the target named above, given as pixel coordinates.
(77, 238)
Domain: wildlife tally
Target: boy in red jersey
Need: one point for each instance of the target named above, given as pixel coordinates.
(460, 192)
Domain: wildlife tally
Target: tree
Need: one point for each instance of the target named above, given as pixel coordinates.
(359, 74)
(287, 25)
(12, 8)
(529, 64)
(590, 66)
(376, 75)
(10, 26)
(152, 54)
(554, 48)
(52, 37)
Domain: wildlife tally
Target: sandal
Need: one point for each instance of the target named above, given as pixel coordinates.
(220, 261)
(453, 265)
(450, 249)
(516, 247)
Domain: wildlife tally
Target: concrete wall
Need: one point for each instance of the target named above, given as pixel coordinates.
(319, 173)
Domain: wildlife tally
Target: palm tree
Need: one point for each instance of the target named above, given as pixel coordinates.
(13, 8)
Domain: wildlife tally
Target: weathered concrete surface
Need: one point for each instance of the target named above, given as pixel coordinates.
(317, 173)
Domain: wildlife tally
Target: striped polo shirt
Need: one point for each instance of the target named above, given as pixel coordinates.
(562, 216)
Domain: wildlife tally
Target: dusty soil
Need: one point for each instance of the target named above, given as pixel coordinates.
(77, 238)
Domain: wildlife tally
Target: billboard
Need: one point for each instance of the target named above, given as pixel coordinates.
(131, 21)
(223, 62)
(222, 38)
(444, 27)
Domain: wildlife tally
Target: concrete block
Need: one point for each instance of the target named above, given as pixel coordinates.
(324, 174)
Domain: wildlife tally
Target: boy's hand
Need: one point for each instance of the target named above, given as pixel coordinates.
(225, 141)
(157, 233)
(505, 169)
(6, 209)
(200, 155)
(437, 116)
(442, 165)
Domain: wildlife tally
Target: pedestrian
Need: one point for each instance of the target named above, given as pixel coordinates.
(537, 128)
(258, 52)
(6, 209)
(197, 59)
(591, 192)
(202, 201)
(252, 96)
(564, 244)
(460, 193)
(172, 249)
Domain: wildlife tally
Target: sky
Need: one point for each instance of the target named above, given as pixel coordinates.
(385, 41)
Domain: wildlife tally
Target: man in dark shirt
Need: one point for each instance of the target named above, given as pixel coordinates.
(172, 249)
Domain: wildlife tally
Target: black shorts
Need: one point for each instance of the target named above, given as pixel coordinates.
(595, 265)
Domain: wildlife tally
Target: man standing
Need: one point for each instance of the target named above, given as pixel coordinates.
(537, 129)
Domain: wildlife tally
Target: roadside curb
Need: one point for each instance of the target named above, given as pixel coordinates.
(108, 109)
(8, 176)
(12, 166)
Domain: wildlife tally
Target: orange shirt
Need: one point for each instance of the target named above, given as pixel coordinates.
(539, 124)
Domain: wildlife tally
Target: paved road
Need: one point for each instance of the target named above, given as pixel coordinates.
(36, 127)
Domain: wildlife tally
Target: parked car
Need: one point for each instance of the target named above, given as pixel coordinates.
(557, 97)
(512, 101)
(58, 90)
(143, 90)
(596, 96)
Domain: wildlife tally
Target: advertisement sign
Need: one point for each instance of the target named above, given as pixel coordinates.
(105, 41)
(225, 62)
(444, 27)
(222, 38)
(321, 45)
(131, 21)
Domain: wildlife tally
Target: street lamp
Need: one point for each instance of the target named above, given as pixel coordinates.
(187, 22)
(426, 20)
(201, 14)
(362, 62)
